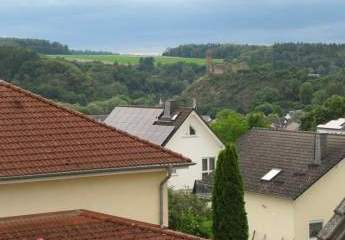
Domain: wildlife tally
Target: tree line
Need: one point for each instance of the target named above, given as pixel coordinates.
(46, 47)
(318, 58)
(94, 87)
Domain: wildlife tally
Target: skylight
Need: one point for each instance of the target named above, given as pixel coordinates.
(271, 174)
(175, 116)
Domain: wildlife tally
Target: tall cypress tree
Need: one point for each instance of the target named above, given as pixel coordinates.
(229, 215)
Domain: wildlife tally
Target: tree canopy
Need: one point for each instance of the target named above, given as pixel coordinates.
(229, 215)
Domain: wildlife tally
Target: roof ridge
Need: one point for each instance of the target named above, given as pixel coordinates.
(286, 130)
(78, 114)
(153, 107)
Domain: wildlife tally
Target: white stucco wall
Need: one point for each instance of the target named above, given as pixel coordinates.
(203, 144)
(320, 200)
(271, 218)
(132, 195)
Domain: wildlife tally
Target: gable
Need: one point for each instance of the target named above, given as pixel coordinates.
(202, 130)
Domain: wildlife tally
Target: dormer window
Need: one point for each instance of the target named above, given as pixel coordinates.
(191, 131)
(271, 174)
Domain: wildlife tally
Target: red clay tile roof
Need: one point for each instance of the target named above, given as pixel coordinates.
(82, 225)
(39, 137)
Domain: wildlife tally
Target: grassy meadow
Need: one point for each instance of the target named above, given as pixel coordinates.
(131, 59)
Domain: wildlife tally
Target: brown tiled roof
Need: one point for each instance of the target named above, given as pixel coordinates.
(261, 150)
(82, 225)
(39, 137)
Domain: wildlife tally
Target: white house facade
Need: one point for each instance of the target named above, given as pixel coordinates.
(181, 130)
(202, 147)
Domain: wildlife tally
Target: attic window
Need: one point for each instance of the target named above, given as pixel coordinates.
(271, 174)
(191, 131)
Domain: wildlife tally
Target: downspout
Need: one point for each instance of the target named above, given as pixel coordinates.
(161, 197)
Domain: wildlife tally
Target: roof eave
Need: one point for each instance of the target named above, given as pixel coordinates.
(80, 173)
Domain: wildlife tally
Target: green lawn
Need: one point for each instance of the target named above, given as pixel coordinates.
(131, 59)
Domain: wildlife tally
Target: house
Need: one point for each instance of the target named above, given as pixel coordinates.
(335, 228)
(55, 159)
(179, 129)
(292, 179)
(82, 225)
(333, 126)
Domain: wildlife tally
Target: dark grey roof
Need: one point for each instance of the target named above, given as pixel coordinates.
(335, 228)
(261, 150)
(145, 123)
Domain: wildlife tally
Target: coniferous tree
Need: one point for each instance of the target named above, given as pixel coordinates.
(229, 215)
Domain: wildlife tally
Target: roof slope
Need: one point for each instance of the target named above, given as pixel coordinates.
(143, 122)
(335, 228)
(82, 225)
(261, 150)
(39, 137)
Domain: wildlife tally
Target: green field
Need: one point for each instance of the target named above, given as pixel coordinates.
(131, 59)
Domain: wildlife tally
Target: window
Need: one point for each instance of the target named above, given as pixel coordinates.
(191, 131)
(271, 174)
(204, 164)
(208, 165)
(211, 163)
(314, 229)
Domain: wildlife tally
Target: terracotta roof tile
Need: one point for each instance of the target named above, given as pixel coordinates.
(38, 136)
(82, 225)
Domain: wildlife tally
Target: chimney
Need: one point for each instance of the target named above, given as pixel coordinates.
(169, 109)
(194, 103)
(320, 147)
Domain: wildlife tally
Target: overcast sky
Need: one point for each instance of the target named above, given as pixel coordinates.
(149, 26)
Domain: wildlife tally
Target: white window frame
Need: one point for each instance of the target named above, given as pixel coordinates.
(208, 170)
(311, 222)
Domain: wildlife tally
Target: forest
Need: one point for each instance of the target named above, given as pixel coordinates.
(94, 87)
(276, 79)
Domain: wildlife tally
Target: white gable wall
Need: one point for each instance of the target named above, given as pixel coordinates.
(203, 144)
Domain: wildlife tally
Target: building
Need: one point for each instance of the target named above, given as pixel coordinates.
(335, 228)
(176, 128)
(292, 181)
(82, 225)
(55, 159)
(333, 126)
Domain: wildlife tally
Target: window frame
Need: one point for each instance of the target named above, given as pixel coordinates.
(208, 170)
(314, 222)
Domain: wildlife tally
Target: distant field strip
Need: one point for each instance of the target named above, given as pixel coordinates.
(131, 59)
